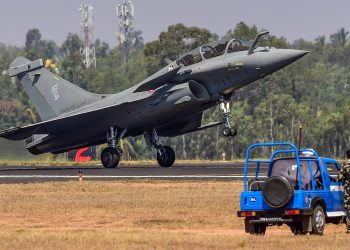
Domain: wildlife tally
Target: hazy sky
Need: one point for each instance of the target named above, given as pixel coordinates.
(292, 19)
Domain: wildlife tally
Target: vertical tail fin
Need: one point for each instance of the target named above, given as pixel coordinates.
(50, 94)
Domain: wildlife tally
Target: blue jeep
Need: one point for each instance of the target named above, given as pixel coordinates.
(293, 187)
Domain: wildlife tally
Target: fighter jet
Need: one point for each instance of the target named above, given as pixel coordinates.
(166, 104)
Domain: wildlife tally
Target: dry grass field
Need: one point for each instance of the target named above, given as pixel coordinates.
(139, 215)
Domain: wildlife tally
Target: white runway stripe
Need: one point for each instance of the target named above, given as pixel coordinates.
(122, 176)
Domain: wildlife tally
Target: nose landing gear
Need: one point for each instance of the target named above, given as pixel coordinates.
(224, 106)
(226, 131)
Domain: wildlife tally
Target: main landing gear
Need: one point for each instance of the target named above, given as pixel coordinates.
(165, 154)
(224, 106)
(110, 156)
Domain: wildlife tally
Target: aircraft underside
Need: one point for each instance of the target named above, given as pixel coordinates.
(175, 122)
(85, 136)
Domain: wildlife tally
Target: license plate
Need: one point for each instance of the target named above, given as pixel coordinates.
(270, 219)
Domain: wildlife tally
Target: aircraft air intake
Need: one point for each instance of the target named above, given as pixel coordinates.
(190, 92)
(198, 91)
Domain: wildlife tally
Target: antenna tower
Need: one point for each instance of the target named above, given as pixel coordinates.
(125, 13)
(86, 34)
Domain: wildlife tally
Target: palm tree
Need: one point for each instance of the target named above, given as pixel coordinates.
(321, 41)
(339, 38)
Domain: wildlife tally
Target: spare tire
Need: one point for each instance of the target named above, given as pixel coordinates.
(277, 191)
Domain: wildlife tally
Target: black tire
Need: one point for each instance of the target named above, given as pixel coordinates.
(277, 191)
(233, 132)
(167, 158)
(110, 157)
(297, 228)
(254, 228)
(318, 220)
(258, 229)
(226, 131)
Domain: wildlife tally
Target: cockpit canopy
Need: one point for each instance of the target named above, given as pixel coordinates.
(212, 50)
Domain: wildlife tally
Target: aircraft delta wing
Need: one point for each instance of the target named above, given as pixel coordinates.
(77, 119)
(60, 125)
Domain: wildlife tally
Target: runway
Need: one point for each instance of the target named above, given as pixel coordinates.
(207, 171)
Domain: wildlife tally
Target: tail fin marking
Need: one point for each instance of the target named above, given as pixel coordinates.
(51, 95)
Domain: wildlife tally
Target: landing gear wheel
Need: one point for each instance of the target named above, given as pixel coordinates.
(318, 221)
(229, 132)
(110, 157)
(166, 158)
(233, 132)
(226, 132)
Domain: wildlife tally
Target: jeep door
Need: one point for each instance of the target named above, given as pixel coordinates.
(335, 186)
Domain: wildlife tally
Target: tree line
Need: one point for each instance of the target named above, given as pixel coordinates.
(313, 92)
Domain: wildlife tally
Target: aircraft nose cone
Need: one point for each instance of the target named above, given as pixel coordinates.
(288, 56)
(280, 58)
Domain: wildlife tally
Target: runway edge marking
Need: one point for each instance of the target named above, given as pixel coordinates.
(124, 176)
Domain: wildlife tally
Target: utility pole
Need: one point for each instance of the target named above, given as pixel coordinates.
(86, 35)
(125, 13)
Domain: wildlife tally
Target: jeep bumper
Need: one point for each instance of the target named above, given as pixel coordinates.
(275, 214)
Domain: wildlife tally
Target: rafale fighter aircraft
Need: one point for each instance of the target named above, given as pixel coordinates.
(168, 103)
